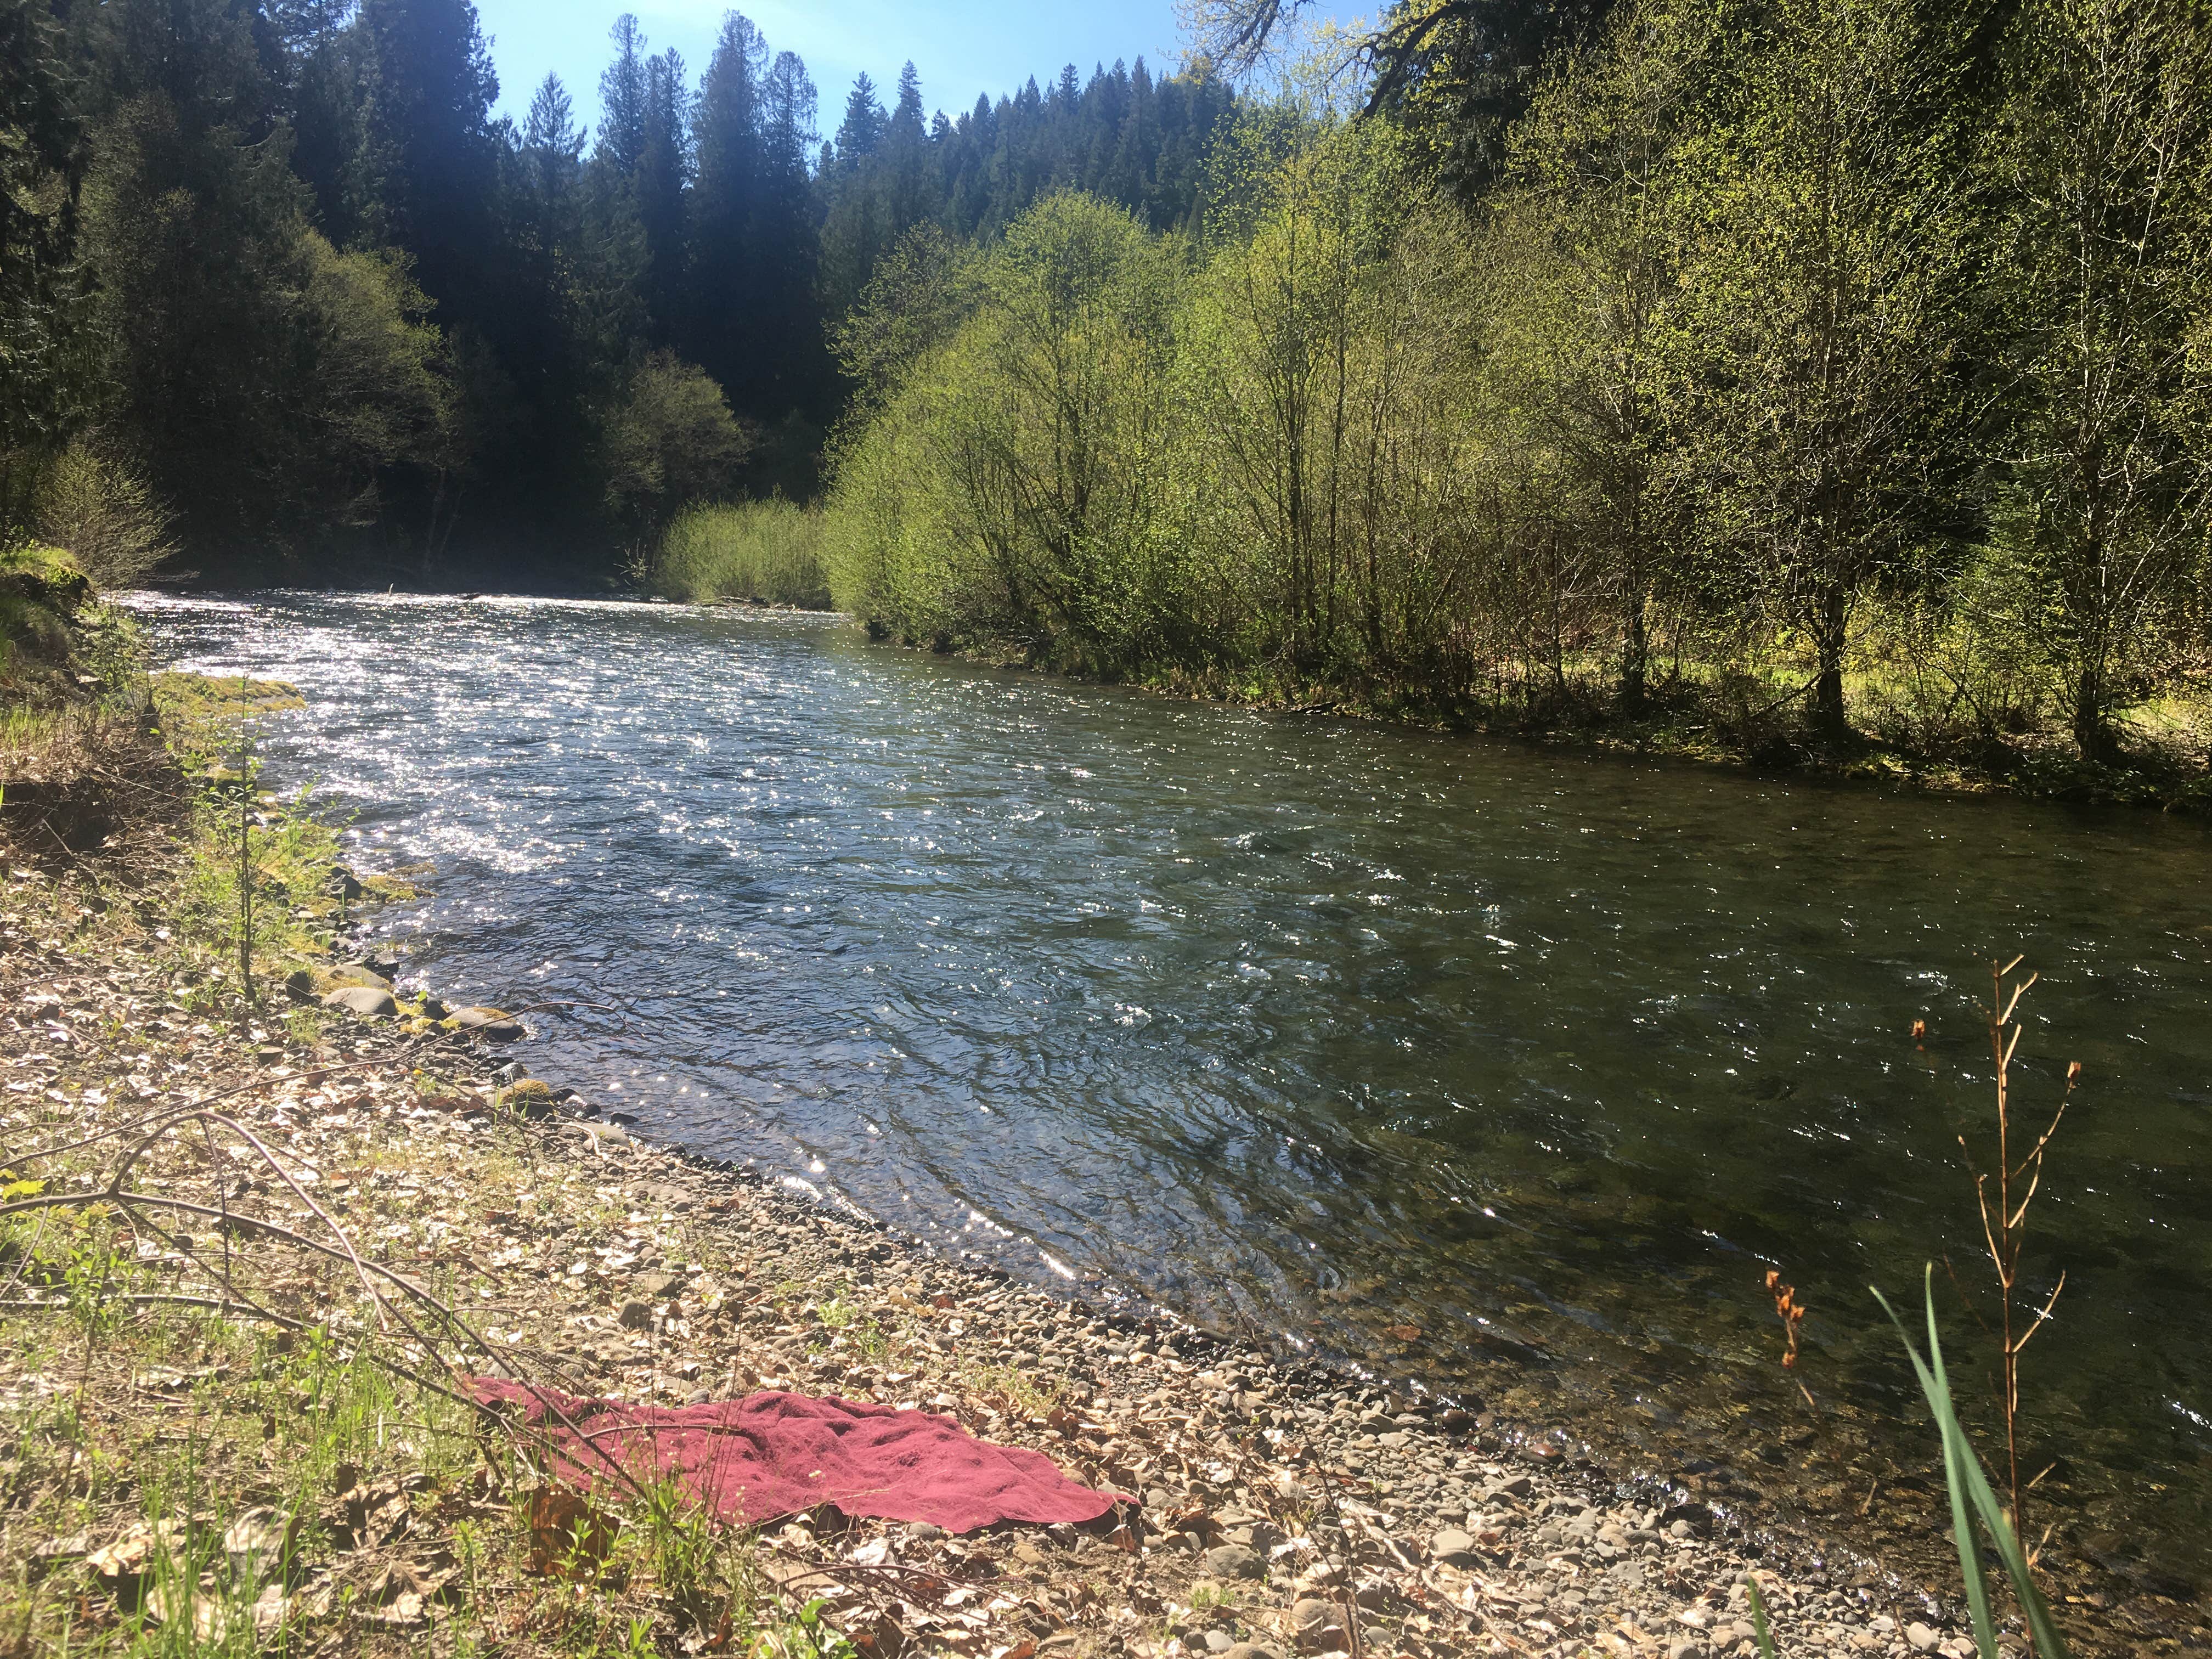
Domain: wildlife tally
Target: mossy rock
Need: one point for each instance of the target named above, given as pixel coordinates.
(387, 889)
(495, 1024)
(528, 1095)
(45, 606)
(201, 713)
(330, 978)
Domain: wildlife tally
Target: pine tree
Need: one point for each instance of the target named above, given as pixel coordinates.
(623, 93)
(42, 161)
(728, 203)
(862, 130)
(552, 143)
(430, 89)
(663, 180)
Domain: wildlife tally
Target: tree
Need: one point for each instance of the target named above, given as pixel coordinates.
(662, 182)
(794, 366)
(1460, 72)
(2103, 169)
(730, 227)
(1009, 491)
(429, 92)
(669, 441)
(1592, 197)
(269, 386)
(552, 144)
(1825, 310)
(862, 129)
(42, 161)
(623, 94)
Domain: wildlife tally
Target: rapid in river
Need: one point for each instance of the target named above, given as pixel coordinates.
(1491, 1069)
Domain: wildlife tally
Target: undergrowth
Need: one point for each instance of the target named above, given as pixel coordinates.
(768, 552)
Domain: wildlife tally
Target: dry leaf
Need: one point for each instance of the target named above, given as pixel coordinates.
(566, 1531)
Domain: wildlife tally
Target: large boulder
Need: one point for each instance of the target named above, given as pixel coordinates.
(365, 1000)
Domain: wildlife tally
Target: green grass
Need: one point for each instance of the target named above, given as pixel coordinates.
(766, 551)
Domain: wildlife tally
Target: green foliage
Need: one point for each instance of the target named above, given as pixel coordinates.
(2101, 164)
(42, 596)
(669, 439)
(769, 551)
(269, 394)
(42, 157)
(106, 514)
(1016, 471)
(1761, 389)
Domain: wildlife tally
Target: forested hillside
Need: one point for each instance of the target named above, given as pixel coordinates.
(1761, 372)
(276, 283)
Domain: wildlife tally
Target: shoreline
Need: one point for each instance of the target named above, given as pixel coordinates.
(608, 1267)
(1865, 764)
(1283, 1503)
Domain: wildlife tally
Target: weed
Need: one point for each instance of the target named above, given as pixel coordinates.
(2004, 1213)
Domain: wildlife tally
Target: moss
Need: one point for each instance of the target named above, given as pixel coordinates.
(203, 715)
(57, 645)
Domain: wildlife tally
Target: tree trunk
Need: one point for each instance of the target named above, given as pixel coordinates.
(1635, 656)
(1829, 637)
(2091, 736)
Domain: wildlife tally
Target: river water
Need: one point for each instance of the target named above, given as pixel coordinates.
(1315, 1030)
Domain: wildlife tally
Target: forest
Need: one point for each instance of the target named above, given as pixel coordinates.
(277, 284)
(1792, 371)
(1805, 370)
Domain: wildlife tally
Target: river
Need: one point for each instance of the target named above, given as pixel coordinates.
(1490, 1068)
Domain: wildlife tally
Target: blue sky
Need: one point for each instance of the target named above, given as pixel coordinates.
(958, 49)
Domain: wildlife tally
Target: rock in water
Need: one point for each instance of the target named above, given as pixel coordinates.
(354, 973)
(364, 1000)
(494, 1023)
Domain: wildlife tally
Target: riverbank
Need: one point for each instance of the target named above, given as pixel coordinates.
(1742, 724)
(458, 1206)
(172, 1385)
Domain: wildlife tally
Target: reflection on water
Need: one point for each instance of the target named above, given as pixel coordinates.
(1310, 1028)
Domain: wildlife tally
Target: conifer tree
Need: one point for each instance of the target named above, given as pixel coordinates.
(42, 161)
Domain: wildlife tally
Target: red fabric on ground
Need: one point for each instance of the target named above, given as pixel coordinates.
(777, 1453)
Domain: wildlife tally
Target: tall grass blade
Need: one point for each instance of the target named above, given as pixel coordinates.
(1759, 1621)
(1970, 1497)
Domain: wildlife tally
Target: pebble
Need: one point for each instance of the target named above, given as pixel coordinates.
(1235, 1561)
(1452, 1545)
(1924, 1639)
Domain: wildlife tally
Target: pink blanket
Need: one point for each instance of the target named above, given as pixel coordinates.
(773, 1455)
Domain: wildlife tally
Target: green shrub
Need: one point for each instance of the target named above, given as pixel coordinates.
(104, 513)
(763, 550)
